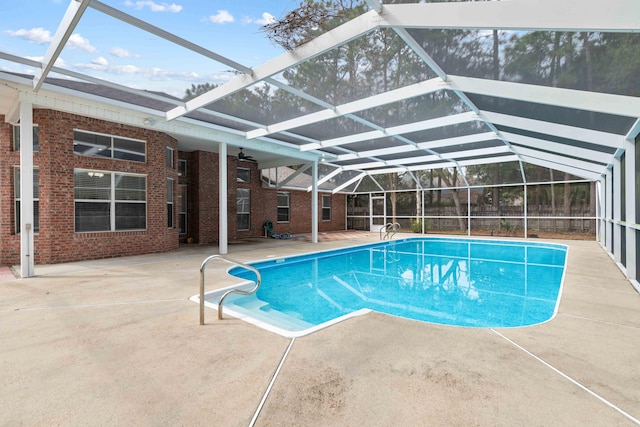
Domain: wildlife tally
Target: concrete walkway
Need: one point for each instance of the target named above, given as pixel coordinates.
(117, 342)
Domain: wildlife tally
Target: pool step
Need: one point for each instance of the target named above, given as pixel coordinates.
(251, 303)
(281, 320)
(260, 310)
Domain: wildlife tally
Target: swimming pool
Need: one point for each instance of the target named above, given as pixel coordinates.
(451, 281)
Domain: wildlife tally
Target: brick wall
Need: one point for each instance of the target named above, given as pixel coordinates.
(202, 214)
(7, 250)
(264, 207)
(57, 240)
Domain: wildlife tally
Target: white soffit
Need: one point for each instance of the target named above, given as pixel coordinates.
(62, 99)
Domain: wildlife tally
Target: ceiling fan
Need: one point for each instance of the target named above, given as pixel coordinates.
(244, 157)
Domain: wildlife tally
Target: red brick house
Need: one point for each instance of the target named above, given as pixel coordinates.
(105, 186)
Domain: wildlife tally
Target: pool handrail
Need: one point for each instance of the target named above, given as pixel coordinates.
(391, 229)
(231, 291)
(384, 228)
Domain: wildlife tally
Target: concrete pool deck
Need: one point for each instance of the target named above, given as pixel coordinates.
(117, 342)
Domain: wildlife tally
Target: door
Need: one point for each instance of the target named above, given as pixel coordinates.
(377, 209)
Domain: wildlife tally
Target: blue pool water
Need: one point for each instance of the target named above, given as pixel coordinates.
(462, 282)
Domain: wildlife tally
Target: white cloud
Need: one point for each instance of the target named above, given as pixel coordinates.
(222, 17)
(153, 6)
(101, 60)
(150, 74)
(41, 36)
(159, 74)
(266, 19)
(98, 65)
(122, 53)
(35, 35)
(76, 41)
(126, 69)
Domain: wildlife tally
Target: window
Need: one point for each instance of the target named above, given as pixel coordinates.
(16, 138)
(169, 157)
(36, 197)
(243, 175)
(182, 168)
(112, 147)
(326, 208)
(283, 207)
(107, 201)
(182, 208)
(243, 208)
(169, 203)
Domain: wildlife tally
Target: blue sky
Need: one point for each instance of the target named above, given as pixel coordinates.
(109, 49)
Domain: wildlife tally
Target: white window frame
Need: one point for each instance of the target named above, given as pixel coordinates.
(170, 205)
(286, 207)
(182, 207)
(326, 208)
(168, 152)
(243, 208)
(112, 201)
(112, 139)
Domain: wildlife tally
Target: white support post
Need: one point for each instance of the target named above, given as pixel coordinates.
(525, 222)
(223, 234)
(468, 211)
(26, 191)
(600, 223)
(617, 209)
(422, 219)
(608, 211)
(314, 203)
(630, 211)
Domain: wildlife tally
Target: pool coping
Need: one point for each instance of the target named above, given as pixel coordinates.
(248, 285)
